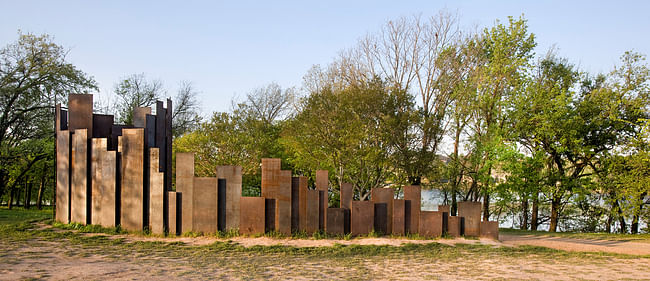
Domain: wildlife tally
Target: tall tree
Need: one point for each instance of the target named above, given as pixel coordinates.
(34, 75)
(508, 50)
(136, 91)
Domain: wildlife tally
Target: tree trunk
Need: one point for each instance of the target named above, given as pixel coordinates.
(555, 208)
(635, 218)
(41, 189)
(486, 207)
(11, 198)
(608, 227)
(635, 224)
(621, 218)
(524, 214)
(535, 212)
(28, 194)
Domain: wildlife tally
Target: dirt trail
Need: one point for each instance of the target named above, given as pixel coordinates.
(577, 245)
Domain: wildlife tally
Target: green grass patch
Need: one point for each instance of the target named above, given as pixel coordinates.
(20, 215)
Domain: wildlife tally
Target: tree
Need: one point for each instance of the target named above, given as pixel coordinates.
(185, 116)
(34, 75)
(508, 51)
(135, 91)
(241, 137)
(407, 53)
(348, 132)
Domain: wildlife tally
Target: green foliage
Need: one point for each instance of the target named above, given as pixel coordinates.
(34, 75)
(348, 132)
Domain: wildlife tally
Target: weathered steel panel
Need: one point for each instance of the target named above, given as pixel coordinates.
(132, 179)
(490, 230)
(399, 217)
(63, 176)
(172, 212)
(140, 116)
(204, 201)
(414, 195)
(383, 220)
(156, 194)
(453, 226)
(431, 223)
(471, 211)
(346, 195)
(252, 215)
(322, 185)
(102, 125)
(336, 221)
(80, 115)
(233, 176)
(311, 212)
(283, 203)
(185, 185)
(103, 183)
(79, 207)
(362, 217)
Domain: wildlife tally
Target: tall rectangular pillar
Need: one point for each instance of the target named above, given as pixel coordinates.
(302, 203)
(384, 222)
(62, 166)
(103, 170)
(312, 214)
(362, 217)
(283, 203)
(79, 208)
(80, 114)
(156, 193)
(322, 185)
(295, 203)
(233, 176)
(399, 217)
(131, 145)
(471, 212)
(454, 226)
(346, 195)
(270, 174)
(413, 193)
(252, 215)
(185, 185)
(172, 215)
(221, 204)
(204, 201)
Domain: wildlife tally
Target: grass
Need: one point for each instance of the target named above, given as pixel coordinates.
(21, 215)
(644, 237)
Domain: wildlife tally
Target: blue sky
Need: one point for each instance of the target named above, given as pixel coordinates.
(229, 48)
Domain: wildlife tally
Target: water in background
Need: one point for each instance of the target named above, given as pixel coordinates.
(431, 198)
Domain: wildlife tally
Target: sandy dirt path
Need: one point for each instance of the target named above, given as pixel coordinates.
(577, 245)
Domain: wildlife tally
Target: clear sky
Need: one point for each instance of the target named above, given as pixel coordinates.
(229, 48)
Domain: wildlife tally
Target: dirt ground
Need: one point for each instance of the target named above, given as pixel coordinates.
(59, 260)
(577, 245)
